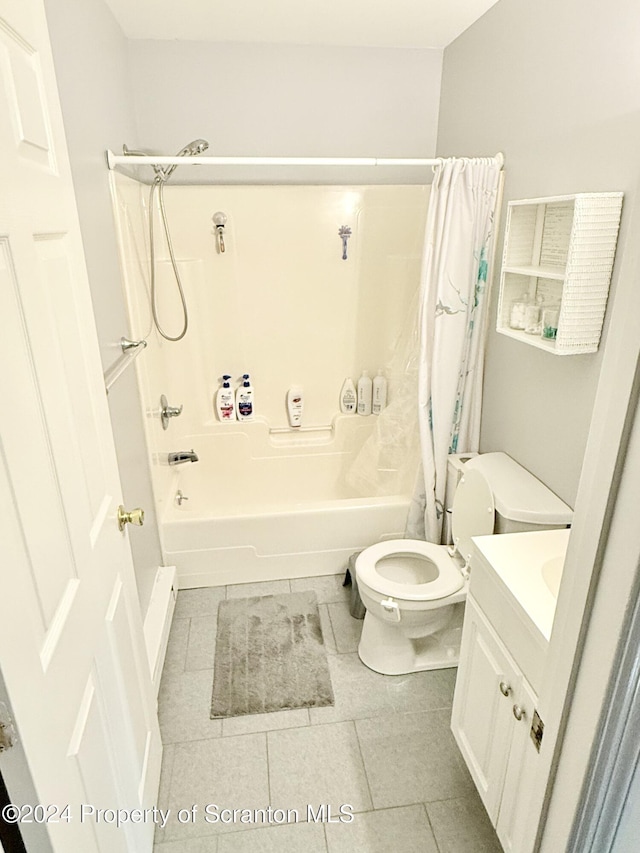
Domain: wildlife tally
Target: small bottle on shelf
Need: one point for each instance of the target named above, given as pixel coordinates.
(225, 401)
(348, 397)
(244, 399)
(295, 404)
(379, 393)
(365, 393)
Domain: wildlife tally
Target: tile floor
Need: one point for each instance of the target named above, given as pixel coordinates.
(385, 749)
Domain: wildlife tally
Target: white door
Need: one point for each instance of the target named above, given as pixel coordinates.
(71, 644)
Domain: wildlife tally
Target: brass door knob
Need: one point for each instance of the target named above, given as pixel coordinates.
(136, 516)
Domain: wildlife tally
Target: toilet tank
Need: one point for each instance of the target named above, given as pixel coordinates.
(522, 502)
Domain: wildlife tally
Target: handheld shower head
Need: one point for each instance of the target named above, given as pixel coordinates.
(198, 146)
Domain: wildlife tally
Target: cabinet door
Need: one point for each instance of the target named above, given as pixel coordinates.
(482, 721)
(521, 768)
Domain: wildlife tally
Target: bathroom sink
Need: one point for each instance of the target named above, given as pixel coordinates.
(515, 579)
(552, 574)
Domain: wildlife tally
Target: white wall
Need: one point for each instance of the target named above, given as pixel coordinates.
(295, 100)
(556, 86)
(91, 65)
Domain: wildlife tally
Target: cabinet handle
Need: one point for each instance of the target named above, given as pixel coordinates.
(504, 688)
(518, 712)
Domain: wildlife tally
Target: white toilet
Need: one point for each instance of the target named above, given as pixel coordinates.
(414, 591)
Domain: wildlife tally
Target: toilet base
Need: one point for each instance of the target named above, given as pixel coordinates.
(385, 649)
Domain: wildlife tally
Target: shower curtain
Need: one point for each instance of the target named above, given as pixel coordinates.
(452, 327)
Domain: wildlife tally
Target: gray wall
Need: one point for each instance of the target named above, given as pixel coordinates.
(288, 100)
(555, 85)
(90, 55)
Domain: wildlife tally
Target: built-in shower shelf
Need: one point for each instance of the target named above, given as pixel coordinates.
(560, 251)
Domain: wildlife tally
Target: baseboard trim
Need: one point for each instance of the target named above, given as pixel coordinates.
(157, 622)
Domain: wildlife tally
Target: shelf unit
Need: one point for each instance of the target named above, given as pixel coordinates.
(561, 249)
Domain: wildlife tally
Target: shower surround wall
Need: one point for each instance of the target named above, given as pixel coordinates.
(281, 305)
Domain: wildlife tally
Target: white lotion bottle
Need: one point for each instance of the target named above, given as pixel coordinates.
(379, 393)
(295, 404)
(348, 397)
(225, 400)
(244, 399)
(365, 393)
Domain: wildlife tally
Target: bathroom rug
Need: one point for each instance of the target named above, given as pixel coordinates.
(270, 656)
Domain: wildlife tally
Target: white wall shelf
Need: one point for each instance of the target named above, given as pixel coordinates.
(560, 249)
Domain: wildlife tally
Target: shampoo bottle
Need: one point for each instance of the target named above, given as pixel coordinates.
(225, 405)
(348, 398)
(379, 393)
(244, 399)
(294, 406)
(365, 392)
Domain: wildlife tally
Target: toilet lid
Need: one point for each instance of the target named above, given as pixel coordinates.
(473, 511)
(409, 569)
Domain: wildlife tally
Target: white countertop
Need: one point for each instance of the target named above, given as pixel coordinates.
(519, 561)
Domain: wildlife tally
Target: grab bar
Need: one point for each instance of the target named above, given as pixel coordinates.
(130, 350)
(323, 428)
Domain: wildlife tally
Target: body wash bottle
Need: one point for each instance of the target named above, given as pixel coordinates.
(294, 406)
(365, 392)
(348, 397)
(225, 404)
(379, 393)
(244, 399)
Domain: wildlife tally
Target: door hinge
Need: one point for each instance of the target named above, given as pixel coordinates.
(537, 730)
(8, 734)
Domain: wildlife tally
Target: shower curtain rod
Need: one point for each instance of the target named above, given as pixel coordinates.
(115, 160)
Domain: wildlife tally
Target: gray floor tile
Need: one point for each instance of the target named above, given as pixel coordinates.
(184, 707)
(346, 629)
(199, 602)
(358, 691)
(193, 845)
(247, 590)
(327, 630)
(293, 838)
(176, 654)
(265, 722)
(168, 755)
(315, 765)
(406, 829)
(228, 772)
(422, 691)
(403, 736)
(412, 758)
(328, 588)
(201, 642)
(462, 826)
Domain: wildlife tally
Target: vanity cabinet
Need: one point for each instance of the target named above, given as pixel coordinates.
(560, 251)
(491, 720)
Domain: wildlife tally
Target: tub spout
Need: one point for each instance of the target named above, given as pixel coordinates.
(180, 456)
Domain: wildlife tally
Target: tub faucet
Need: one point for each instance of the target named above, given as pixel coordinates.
(180, 456)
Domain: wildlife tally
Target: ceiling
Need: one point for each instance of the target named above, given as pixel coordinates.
(370, 23)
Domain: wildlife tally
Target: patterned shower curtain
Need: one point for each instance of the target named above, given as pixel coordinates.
(452, 320)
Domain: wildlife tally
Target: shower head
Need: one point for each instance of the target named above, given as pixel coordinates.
(198, 146)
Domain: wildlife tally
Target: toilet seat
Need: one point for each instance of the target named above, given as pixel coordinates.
(448, 581)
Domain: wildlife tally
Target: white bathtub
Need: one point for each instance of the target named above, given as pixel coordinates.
(266, 507)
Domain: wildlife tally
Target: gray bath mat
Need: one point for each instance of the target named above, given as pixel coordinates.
(270, 656)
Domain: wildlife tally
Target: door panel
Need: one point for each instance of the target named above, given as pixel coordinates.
(482, 719)
(72, 650)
